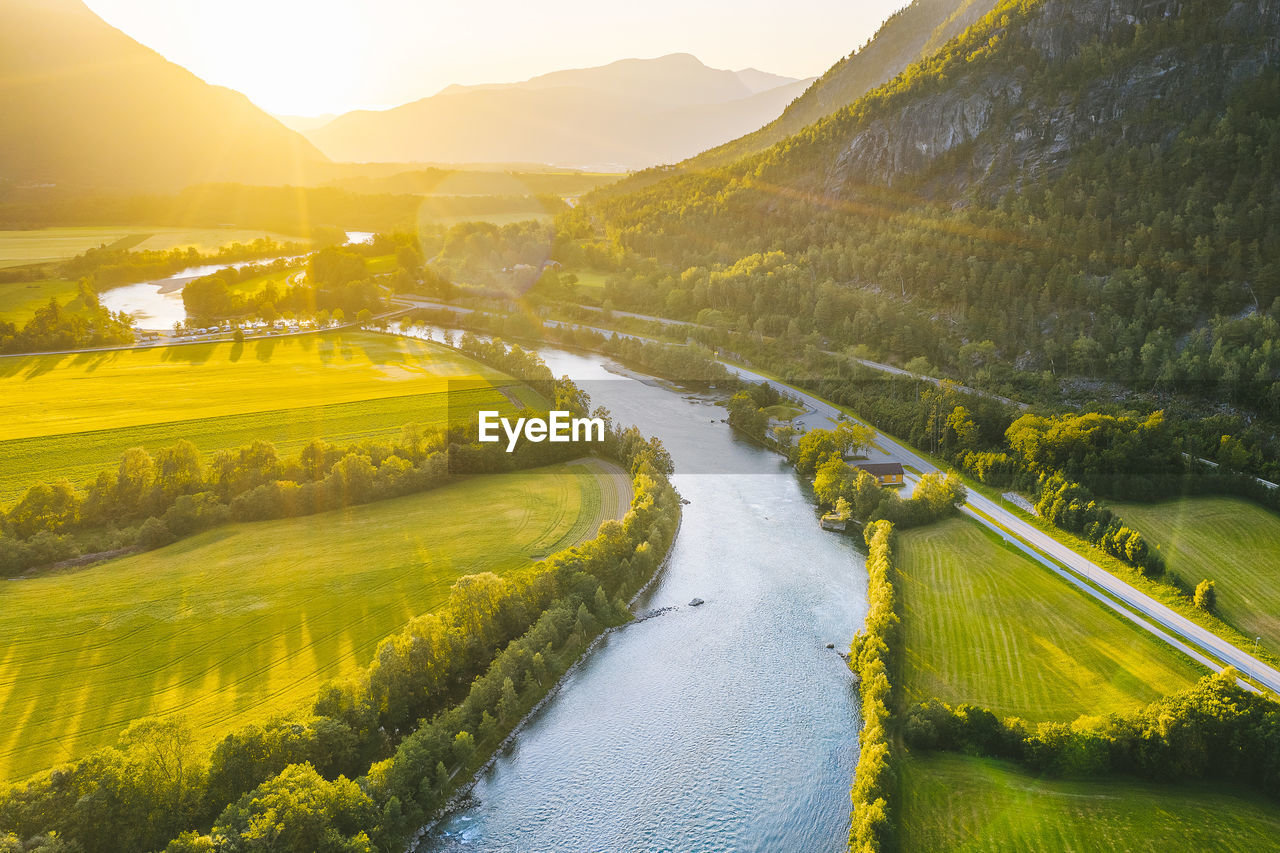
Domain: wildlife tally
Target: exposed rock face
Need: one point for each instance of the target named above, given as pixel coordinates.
(996, 125)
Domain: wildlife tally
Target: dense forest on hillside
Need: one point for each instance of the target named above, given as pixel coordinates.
(1144, 251)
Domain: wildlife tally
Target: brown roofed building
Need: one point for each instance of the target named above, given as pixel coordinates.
(886, 473)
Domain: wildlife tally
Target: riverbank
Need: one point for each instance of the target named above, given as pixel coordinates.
(460, 795)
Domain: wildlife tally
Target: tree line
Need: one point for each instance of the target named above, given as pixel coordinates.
(874, 658)
(1215, 730)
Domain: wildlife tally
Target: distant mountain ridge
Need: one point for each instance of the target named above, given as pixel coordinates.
(629, 114)
(86, 105)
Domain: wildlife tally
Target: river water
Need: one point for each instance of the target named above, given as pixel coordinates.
(723, 727)
(157, 304)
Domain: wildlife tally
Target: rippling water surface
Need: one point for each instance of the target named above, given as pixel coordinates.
(723, 727)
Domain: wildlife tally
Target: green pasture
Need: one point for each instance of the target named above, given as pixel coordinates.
(1231, 541)
(984, 624)
(248, 620)
(43, 395)
(961, 803)
(20, 299)
(78, 457)
(44, 245)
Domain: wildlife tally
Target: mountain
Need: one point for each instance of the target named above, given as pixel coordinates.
(628, 114)
(911, 34)
(86, 105)
(1069, 191)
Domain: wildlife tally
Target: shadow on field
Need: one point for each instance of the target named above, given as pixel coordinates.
(198, 354)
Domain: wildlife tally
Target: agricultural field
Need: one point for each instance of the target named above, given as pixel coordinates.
(1231, 541)
(508, 218)
(342, 387)
(44, 245)
(953, 802)
(247, 620)
(20, 299)
(589, 279)
(984, 624)
(43, 395)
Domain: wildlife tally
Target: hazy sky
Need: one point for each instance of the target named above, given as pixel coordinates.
(315, 56)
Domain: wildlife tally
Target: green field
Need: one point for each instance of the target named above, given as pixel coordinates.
(387, 382)
(20, 299)
(246, 620)
(496, 218)
(984, 624)
(952, 802)
(43, 395)
(1231, 541)
(589, 279)
(43, 245)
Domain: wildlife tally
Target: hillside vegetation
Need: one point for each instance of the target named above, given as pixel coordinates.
(1068, 190)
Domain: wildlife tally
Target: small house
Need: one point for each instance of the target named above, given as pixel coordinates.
(886, 473)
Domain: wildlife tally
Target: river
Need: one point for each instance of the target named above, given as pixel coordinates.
(157, 304)
(724, 727)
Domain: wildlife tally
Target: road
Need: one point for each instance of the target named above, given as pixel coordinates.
(865, 362)
(1140, 608)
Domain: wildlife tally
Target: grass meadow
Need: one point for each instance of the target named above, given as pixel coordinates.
(20, 299)
(247, 620)
(42, 395)
(984, 624)
(71, 416)
(962, 803)
(1231, 541)
(44, 245)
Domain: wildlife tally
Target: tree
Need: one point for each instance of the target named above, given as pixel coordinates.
(45, 507)
(940, 493)
(509, 704)
(854, 438)
(191, 842)
(814, 447)
(464, 746)
(364, 317)
(1206, 597)
(746, 416)
(298, 810)
(961, 426)
(834, 481)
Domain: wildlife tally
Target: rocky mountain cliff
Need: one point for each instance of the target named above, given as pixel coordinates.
(1037, 81)
(911, 34)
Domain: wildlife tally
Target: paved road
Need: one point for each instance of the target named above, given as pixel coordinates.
(1200, 644)
(865, 362)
